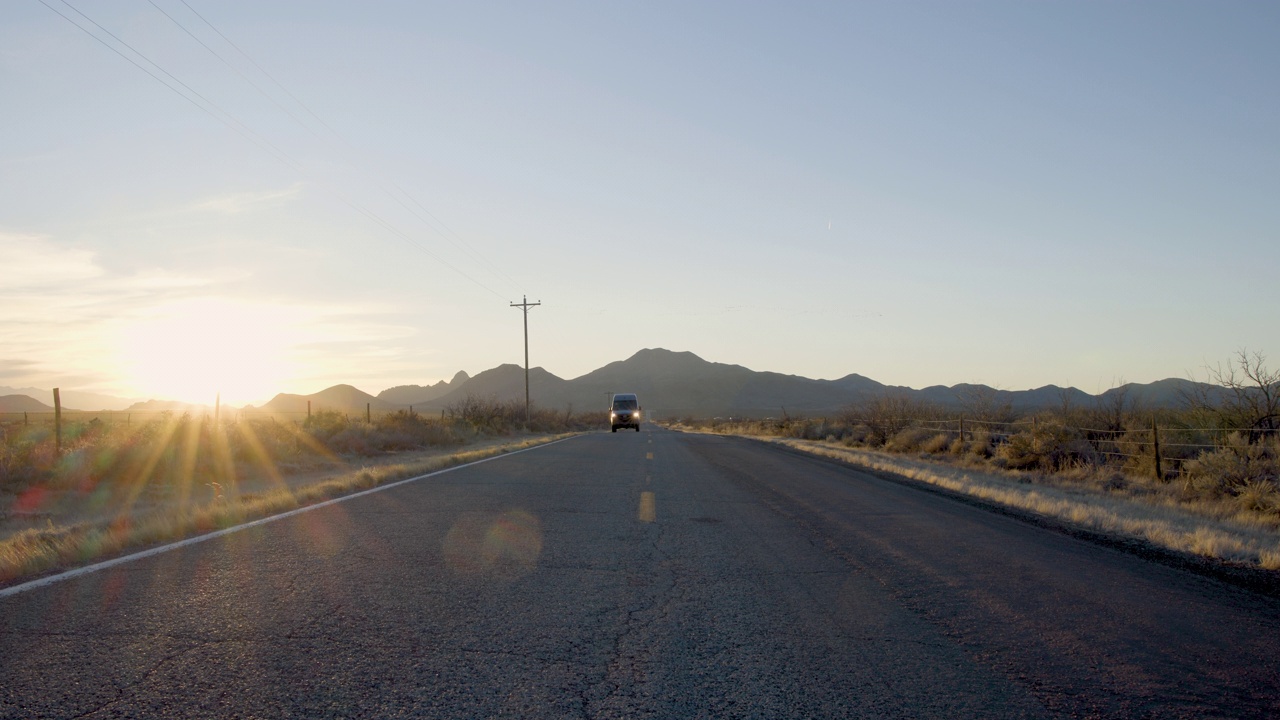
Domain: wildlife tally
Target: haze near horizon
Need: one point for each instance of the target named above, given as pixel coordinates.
(252, 198)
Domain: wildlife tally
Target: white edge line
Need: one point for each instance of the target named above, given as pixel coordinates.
(67, 575)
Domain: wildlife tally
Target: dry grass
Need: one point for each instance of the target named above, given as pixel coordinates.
(35, 551)
(1115, 505)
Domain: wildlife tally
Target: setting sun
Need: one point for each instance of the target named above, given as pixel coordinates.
(194, 349)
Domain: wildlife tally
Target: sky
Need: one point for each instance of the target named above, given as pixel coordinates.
(248, 198)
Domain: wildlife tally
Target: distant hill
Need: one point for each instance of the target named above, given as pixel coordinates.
(681, 383)
(77, 399)
(967, 395)
(22, 403)
(419, 394)
(172, 406)
(342, 398)
(1169, 392)
(506, 383)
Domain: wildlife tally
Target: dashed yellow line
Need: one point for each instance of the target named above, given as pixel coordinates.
(648, 507)
(648, 456)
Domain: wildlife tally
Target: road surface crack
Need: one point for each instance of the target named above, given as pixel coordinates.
(625, 665)
(123, 691)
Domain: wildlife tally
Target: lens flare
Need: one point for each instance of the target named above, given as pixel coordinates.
(503, 547)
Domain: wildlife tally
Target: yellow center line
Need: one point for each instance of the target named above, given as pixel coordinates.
(648, 507)
(648, 456)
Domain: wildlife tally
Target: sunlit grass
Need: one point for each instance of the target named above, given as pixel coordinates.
(1160, 522)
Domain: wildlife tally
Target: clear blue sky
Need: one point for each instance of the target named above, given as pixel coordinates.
(1013, 193)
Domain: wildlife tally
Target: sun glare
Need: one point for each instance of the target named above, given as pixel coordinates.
(194, 349)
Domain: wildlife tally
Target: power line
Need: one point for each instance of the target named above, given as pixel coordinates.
(247, 133)
(443, 230)
(157, 78)
(261, 69)
(309, 129)
(232, 67)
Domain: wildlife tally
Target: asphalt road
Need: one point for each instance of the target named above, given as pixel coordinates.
(648, 574)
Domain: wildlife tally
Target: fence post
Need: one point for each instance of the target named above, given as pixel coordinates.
(308, 409)
(367, 418)
(25, 421)
(1035, 432)
(1155, 447)
(57, 421)
(217, 407)
(961, 428)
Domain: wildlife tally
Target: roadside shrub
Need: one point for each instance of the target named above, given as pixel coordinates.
(981, 445)
(857, 435)
(830, 431)
(937, 443)
(888, 415)
(909, 440)
(1236, 465)
(487, 414)
(1050, 447)
(404, 430)
(325, 424)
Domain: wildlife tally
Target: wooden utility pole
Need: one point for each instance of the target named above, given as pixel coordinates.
(1155, 448)
(525, 305)
(57, 421)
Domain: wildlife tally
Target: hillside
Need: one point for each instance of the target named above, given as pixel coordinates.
(679, 383)
(341, 398)
(22, 403)
(506, 383)
(422, 394)
(172, 406)
(72, 398)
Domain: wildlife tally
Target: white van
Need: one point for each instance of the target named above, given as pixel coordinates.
(624, 412)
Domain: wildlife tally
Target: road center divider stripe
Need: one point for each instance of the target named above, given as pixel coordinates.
(69, 574)
(648, 507)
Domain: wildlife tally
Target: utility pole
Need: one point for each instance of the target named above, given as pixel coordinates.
(525, 305)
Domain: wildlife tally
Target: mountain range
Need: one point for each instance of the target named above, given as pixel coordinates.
(670, 384)
(675, 384)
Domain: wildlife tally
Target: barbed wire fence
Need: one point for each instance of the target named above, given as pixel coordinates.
(1167, 446)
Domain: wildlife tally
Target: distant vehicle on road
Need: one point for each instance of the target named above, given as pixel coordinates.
(624, 412)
